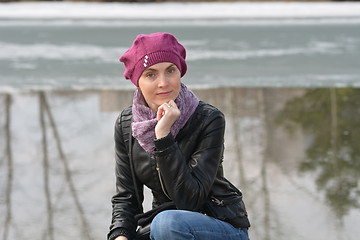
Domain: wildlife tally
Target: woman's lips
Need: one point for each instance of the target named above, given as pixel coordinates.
(164, 93)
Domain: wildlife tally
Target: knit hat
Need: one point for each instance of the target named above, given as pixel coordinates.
(150, 49)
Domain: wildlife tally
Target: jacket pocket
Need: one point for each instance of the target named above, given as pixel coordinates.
(230, 209)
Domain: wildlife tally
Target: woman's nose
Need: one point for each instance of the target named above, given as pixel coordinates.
(163, 80)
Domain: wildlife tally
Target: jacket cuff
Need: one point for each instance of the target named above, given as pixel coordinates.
(118, 232)
(164, 143)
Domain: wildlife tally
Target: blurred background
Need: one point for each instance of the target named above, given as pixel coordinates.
(285, 74)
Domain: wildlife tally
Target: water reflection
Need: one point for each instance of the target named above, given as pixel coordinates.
(56, 160)
(46, 110)
(331, 120)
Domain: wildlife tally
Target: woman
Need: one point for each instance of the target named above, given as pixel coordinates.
(171, 142)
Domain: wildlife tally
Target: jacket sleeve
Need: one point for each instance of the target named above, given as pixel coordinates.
(124, 203)
(189, 187)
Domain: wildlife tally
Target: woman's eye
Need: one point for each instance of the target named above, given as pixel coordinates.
(171, 70)
(150, 75)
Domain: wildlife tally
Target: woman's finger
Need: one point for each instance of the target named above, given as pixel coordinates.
(160, 113)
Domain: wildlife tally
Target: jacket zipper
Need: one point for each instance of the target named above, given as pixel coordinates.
(224, 201)
(217, 201)
(161, 182)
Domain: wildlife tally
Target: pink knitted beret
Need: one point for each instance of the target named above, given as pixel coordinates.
(151, 49)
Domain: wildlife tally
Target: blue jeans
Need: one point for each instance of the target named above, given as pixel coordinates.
(180, 225)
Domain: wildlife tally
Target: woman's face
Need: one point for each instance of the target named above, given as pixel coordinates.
(160, 83)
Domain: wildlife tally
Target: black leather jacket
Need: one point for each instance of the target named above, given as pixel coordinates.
(190, 168)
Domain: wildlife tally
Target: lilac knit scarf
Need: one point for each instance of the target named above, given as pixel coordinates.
(144, 119)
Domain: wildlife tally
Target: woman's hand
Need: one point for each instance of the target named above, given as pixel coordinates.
(121, 238)
(167, 114)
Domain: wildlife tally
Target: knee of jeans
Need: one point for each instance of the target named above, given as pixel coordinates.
(244, 234)
(161, 220)
(162, 224)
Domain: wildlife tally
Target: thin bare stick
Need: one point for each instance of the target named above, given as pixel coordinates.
(10, 173)
(46, 168)
(265, 159)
